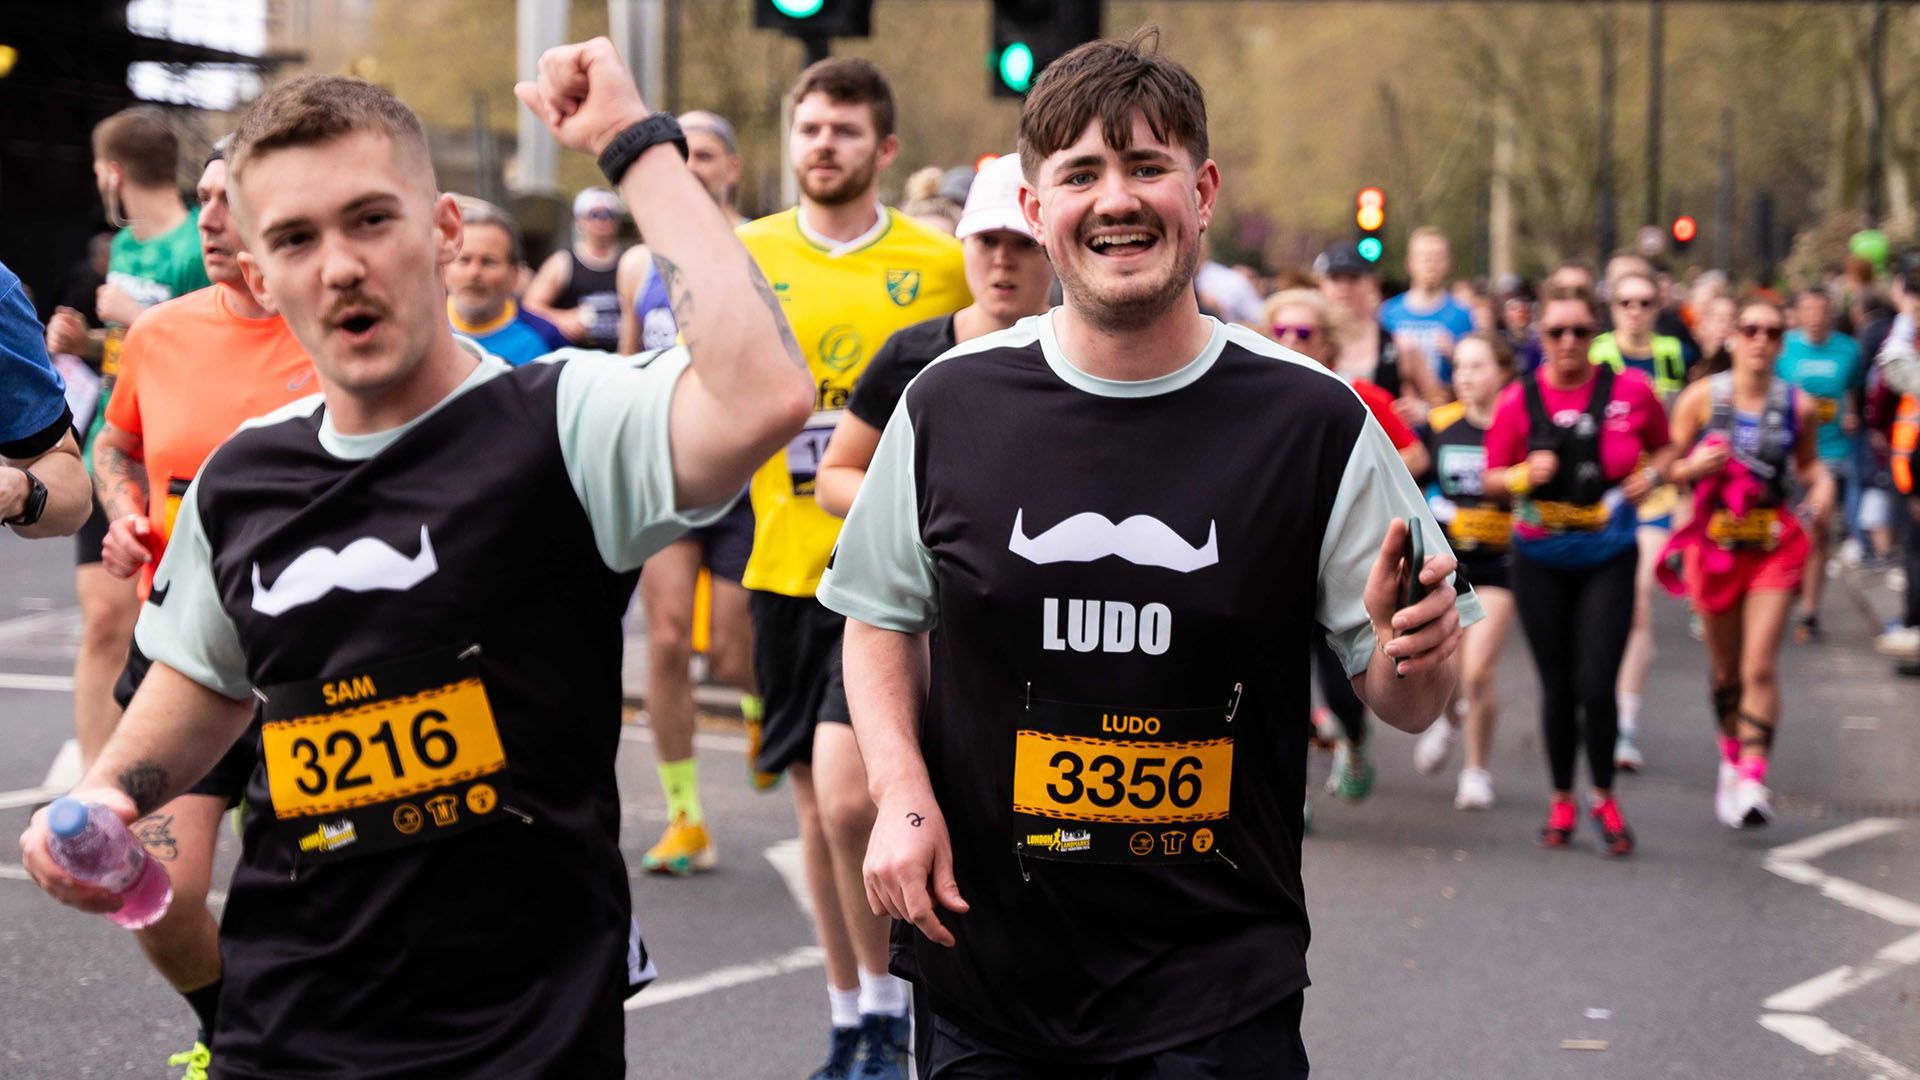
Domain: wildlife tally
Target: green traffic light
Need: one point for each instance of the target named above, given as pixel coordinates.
(799, 9)
(1370, 248)
(1016, 66)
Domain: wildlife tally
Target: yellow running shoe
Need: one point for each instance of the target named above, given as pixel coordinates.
(683, 849)
(196, 1060)
(752, 710)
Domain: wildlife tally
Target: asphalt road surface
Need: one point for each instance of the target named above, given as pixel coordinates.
(1445, 944)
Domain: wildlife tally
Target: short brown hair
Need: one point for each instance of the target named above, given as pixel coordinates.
(1503, 357)
(319, 108)
(1575, 293)
(140, 141)
(849, 80)
(1109, 80)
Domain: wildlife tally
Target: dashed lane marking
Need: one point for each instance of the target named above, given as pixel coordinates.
(661, 993)
(58, 684)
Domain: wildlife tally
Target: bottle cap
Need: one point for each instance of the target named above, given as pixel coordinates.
(67, 818)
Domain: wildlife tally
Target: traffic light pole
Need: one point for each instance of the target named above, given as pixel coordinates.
(1656, 80)
(819, 47)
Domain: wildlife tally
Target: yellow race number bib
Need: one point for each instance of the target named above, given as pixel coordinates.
(1122, 785)
(389, 755)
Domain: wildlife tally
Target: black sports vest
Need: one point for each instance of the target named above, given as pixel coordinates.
(1132, 927)
(1386, 371)
(599, 292)
(1481, 527)
(497, 951)
(1770, 459)
(1579, 479)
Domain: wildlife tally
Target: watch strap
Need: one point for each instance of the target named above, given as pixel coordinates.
(36, 502)
(637, 139)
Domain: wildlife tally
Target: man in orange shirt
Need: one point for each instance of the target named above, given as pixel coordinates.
(192, 370)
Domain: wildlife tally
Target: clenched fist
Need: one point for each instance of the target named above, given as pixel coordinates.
(585, 94)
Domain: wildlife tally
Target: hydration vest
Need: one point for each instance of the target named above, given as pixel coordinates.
(1769, 462)
(1669, 361)
(1580, 479)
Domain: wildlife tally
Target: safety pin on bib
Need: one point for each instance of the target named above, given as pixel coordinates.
(1233, 706)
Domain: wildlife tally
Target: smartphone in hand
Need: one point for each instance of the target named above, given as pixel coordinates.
(1412, 591)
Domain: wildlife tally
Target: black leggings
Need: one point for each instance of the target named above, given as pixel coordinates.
(1337, 690)
(1576, 619)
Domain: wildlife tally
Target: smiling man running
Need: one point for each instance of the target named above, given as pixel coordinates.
(1126, 520)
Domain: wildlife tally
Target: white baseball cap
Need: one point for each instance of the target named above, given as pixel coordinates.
(993, 202)
(597, 198)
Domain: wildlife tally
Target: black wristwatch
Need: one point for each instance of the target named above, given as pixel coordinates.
(627, 146)
(35, 505)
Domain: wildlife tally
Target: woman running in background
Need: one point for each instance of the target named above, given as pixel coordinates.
(1745, 431)
(1566, 444)
(1478, 528)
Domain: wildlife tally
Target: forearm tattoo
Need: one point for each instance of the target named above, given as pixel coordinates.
(120, 481)
(679, 296)
(145, 782)
(156, 834)
(767, 296)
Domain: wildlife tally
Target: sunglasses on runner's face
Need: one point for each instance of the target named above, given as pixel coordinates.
(1304, 333)
(600, 215)
(1579, 332)
(1754, 330)
(1633, 303)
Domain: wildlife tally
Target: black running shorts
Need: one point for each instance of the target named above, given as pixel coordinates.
(796, 658)
(1266, 1047)
(87, 542)
(725, 544)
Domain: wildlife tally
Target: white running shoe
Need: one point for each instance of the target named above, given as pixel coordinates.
(1626, 755)
(1754, 804)
(1902, 642)
(1435, 746)
(1475, 791)
(1724, 793)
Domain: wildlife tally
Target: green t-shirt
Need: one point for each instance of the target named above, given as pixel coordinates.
(152, 272)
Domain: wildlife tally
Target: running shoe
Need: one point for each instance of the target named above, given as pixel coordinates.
(683, 849)
(1615, 838)
(843, 1055)
(1306, 817)
(1558, 831)
(196, 1060)
(1352, 776)
(1806, 629)
(1752, 804)
(1908, 670)
(753, 711)
(1324, 729)
(1434, 746)
(1626, 754)
(1900, 642)
(883, 1047)
(1475, 791)
(1723, 794)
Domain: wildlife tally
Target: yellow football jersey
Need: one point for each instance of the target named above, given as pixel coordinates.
(843, 308)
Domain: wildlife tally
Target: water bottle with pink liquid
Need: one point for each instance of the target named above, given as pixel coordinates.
(90, 842)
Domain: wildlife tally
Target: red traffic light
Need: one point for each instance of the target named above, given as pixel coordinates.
(1685, 229)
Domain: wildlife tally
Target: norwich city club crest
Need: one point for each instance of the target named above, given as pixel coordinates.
(903, 286)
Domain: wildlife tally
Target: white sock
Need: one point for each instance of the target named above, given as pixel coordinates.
(844, 1005)
(882, 994)
(1629, 703)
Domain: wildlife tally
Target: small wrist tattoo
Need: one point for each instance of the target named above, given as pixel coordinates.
(915, 819)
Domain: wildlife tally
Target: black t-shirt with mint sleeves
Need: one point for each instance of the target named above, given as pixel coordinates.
(905, 354)
(1122, 581)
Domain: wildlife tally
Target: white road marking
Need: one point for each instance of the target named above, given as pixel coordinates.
(14, 800)
(1811, 1033)
(65, 770)
(1846, 978)
(1813, 847)
(661, 993)
(704, 740)
(52, 683)
(15, 872)
(785, 857)
(1819, 1038)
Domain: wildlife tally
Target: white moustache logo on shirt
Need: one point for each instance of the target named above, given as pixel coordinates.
(1140, 539)
(362, 566)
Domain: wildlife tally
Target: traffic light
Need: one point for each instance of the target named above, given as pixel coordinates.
(815, 18)
(1684, 230)
(1030, 34)
(1370, 218)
